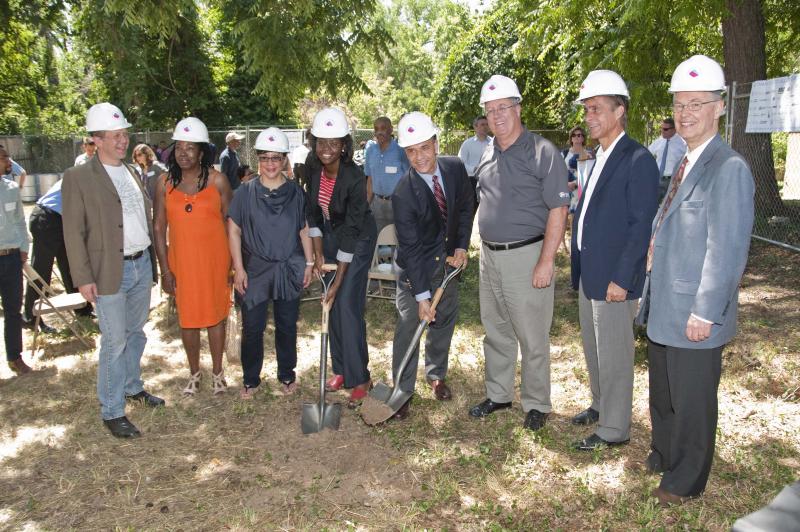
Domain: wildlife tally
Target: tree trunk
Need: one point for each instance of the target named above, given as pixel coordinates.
(744, 49)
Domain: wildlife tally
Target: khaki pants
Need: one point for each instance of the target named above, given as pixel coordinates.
(517, 318)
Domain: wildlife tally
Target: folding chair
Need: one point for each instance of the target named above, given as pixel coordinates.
(63, 305)
(384, 272)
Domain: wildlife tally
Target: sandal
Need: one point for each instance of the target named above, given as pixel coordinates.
(193, 385)
(218, 386)
(247, 393)
(289, 388)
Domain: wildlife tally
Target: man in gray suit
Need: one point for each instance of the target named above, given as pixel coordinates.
(697, 254)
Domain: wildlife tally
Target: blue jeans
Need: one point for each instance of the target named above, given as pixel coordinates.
(121, 317)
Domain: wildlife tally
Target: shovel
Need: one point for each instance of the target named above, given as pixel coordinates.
(318, 416)
(383, 401)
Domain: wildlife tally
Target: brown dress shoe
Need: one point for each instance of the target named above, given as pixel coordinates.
(19, 366)
(403, 412)
(441, 391)
(667, 499)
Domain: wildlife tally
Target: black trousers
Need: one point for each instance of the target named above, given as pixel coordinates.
(254, 322)
(683, 412)
(48, 246)
(11, 297)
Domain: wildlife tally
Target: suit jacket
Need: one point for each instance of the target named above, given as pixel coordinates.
(349, 211)
(422, 236)
(92, 219)
(616, 226)
(701, 250)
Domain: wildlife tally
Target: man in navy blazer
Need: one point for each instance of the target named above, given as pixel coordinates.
(610, 233)
(433, 205)
(698, 252)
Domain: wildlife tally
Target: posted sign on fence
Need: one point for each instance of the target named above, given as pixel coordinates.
(774, 105)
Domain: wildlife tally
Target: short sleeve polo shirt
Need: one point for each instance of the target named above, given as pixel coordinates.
(518, 187)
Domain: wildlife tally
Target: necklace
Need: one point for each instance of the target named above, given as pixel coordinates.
(189, 198)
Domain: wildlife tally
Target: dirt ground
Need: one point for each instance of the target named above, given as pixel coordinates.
(208, 463)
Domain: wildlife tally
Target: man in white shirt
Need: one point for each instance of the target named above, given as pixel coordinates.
(472, 149)
(668, 150)
(89, 148)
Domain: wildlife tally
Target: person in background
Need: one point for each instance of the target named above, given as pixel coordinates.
(342, 230)
(148, 168)
(191, 203)
(472, 149)
(89, 148)
(108, 234)
(13, 253)
(272, 260)
(668, 150)
(245, 173)
(384, 163)
(574, 155)
(229, 159)
(13, 171)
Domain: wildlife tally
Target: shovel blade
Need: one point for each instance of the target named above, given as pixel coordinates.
(314, 419)
(381, 392)
(375, 410)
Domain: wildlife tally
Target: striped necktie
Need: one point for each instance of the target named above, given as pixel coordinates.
(438, 193)
(676, 182)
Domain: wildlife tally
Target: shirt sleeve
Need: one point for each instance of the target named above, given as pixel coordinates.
(22, 231)
(555, 192)
(367, 161)
(16, 169)
(236, 207)
(404, 164)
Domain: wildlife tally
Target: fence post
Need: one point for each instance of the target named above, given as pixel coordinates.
(732, 111)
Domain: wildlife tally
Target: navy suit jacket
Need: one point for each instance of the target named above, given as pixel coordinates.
(422, 237)
(616, 227)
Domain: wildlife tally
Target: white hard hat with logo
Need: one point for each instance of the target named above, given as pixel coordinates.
(272, 139)
(414, 128)
(498, 87)
(190, 129)
(602, 83)
(330, 123)
(105, 117)
(698, 73)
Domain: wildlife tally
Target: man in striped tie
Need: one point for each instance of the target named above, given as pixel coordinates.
(433, 205)
(668, 149)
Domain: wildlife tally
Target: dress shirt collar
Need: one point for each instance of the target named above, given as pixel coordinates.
(605, 154)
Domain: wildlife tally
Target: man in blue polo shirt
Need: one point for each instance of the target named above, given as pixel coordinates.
(385, 162)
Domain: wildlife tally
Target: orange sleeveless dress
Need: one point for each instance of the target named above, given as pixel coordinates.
(199, 257)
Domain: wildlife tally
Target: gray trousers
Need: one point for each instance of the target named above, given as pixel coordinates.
(517, 318)
(437, 338)
(382, 211)
(607, 333)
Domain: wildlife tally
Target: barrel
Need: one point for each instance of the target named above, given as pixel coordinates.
(37, 185)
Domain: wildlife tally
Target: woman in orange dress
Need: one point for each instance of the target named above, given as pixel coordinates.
(191, 203)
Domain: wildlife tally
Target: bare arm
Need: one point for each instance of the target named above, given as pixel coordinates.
(308, 252)
(369, 189)
(225, 192)
(553, 233)
(160, 234)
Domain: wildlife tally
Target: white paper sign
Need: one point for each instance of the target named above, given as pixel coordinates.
(774, 105)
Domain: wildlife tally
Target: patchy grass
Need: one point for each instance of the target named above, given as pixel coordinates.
(207, 463)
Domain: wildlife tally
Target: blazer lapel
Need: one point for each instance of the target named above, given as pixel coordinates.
(613, 161)
(424, 195)
(695, 174)
(102, 176)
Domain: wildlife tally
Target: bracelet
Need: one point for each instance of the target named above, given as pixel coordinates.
(309, 263)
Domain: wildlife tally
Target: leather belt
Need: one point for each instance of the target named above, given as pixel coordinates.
(9, 251)
(494, 246)
(384, 198)
(135, 256)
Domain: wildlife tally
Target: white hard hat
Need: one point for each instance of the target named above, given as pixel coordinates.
(414, 128)
(233, 136)
(498, 87)
(698, 73)
(272, 139)
(105, 117)
(330, 123)
(190, 129)
(602, 83)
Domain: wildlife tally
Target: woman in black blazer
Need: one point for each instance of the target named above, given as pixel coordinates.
(343, 231)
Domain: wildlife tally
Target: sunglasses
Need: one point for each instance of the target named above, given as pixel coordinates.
(577, 134)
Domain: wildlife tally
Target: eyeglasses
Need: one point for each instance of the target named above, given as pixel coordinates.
(577, 134)
(693, 106)
(670, 127)
(500, 110)
(270, 158)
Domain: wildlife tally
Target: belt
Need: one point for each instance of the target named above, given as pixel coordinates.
(9, 251)
(494, 246)
(135, 256)
(47, 210)
(384, 198)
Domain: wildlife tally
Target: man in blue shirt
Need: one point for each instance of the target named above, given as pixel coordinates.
(13, 253)
(229, 159)
(385, 162)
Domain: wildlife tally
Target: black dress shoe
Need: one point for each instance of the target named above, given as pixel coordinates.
(595, 442)
(122, 428)
(403, 412)
(146, 399)
(587, 417)
(487, 407)
(43, 327)
(535, 420)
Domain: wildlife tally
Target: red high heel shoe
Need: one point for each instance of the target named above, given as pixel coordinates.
(359, 393)
(334, 384)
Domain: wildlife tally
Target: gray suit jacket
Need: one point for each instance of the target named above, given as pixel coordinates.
(701, 250)
(92, 219)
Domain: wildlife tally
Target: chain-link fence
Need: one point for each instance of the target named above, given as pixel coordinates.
(774, 159)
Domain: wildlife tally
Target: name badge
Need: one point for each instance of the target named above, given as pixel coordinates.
(391, 169)
(150, 173)
(11, 206)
